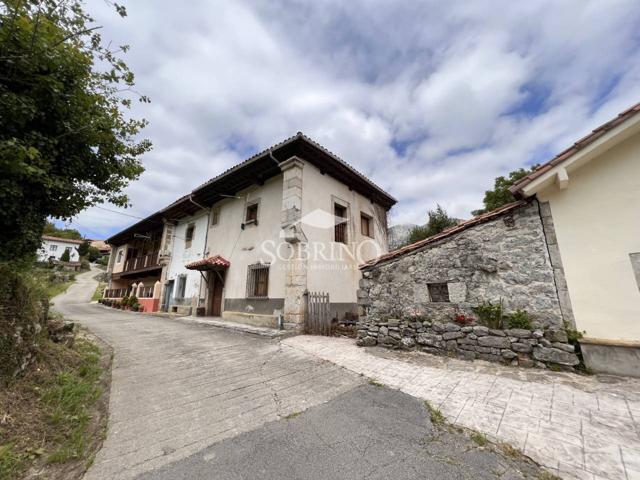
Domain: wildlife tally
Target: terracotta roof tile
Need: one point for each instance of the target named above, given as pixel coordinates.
(485, 217)
(215, 261)
(576, 147)
(60, 239)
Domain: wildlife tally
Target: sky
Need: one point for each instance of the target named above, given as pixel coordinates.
(430, 99)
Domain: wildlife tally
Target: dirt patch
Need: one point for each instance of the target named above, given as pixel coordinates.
(53, 418)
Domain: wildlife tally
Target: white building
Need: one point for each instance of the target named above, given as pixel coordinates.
(52, 248)
(249, 243)
(590, 199)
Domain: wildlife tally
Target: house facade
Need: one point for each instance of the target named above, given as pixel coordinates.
(590, 196)
(249, 243)
(52, 248)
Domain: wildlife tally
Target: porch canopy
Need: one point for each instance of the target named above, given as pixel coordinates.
(210, 263)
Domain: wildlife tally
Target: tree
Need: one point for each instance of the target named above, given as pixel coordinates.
(52, 230)
(93, 254)
(83, 248)
(66, 256)
(500, 195)
(65, 141)
(439, 220)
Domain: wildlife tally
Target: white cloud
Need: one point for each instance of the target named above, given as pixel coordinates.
(431, 100)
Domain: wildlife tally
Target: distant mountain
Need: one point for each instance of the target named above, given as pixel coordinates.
(399, 234)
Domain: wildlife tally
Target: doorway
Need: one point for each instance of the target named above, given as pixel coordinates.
(216, 284)
(168, 293)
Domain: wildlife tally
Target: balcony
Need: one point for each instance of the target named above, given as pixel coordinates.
(149, 261)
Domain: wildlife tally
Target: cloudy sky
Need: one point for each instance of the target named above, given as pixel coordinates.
(430, 99)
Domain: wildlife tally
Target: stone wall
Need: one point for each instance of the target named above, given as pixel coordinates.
(505, 259)
(515, 346)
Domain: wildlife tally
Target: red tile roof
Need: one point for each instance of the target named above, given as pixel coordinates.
(215, 261)
(485, 217)
(60, 239)
(576, 147)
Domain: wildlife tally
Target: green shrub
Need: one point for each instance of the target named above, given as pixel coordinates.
(489, 314)
(519, 319)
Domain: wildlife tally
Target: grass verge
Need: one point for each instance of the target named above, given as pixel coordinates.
(97, 295)
(49, 417)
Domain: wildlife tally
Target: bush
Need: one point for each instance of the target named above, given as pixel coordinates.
(519, 319)
(489, 314)
(22, 318)
(65, 257)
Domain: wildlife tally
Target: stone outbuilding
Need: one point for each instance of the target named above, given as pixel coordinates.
(424, 295)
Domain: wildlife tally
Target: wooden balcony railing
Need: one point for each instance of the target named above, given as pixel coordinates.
(140, 263)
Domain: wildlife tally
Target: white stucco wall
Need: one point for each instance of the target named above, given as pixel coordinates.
(181, 255)
(45, 252)
(597, 222)
(338, 277)
(244, 247)
(119, 259)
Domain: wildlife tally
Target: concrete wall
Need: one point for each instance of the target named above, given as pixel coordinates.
(337, 273)
(597, 223)
(45, 251)
(182, 255)
(503, 259)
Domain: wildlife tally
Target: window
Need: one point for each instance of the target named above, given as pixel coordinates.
(438, 292)
(67, 249)
(215, 216)
(53, 248)
(252, 213)
(340, 214)
(258, 281)
(366, 225)
(120, 254)
(188, 237)
(182, 286)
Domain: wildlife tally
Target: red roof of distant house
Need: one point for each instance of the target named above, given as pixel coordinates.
(576, 147)
(60, 239)
(208, 263)
(485, 217)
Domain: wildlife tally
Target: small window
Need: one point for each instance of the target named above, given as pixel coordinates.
(258, 281)
(438, 292)
(252, 213)
(215, 216)
(188, 237)
(366, 225)
(340, 214)
(67, 249)
(53, 248)
(120, 254)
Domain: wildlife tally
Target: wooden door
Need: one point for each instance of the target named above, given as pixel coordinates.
(215, 294)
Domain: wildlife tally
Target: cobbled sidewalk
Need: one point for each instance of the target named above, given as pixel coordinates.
(583, 427)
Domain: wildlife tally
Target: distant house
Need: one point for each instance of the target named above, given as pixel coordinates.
(247, 244)
(590, 201)
(102, 246)
(52, 248)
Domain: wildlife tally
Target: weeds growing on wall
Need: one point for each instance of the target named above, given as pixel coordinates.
(490, 314)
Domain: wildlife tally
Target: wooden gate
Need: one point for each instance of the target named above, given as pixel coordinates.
(317, 319)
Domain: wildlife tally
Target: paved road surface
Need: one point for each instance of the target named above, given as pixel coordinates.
(191, 401)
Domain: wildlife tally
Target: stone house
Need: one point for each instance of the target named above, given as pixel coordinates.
(247, 244)
(52, 248)
(590, 198)
(415, 296)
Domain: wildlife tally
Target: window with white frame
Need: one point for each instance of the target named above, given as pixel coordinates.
(53, 248)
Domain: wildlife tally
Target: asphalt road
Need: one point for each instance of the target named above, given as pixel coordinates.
(191, 401)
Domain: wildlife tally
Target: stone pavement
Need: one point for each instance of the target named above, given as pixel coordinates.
(579, 427)
(178, 387)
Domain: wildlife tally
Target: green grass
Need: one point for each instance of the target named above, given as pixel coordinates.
(54, 289)
(479, 438)
(292, 415)
(69, 397)
(375, 383)
(97, 295)
(11, 462)
(437, 418)
(548, 476)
